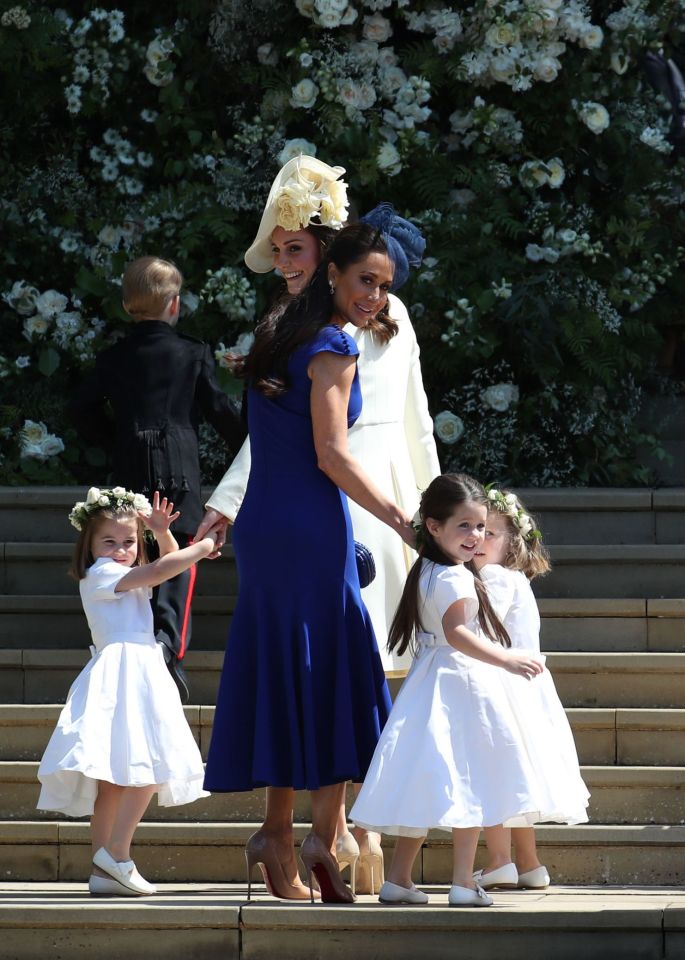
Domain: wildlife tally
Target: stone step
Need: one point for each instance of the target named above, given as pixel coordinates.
(215, 922)
(51, 851)
(42, 569)
(598, 570)
(619, 795)
(627, 737)
(578, 571)
(568, 624)
(582, 679)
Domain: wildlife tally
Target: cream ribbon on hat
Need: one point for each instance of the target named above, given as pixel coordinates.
(305, 191)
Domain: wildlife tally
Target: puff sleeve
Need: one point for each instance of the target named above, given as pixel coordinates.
(452, 584)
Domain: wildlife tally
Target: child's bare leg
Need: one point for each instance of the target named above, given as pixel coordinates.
(104, 815)
(132, 806)
(498, 842)
(526, 849)
(464, 843)
(405, 853)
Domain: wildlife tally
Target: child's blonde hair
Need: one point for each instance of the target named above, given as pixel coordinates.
(526, 551)
(149, 283)
(83, 558)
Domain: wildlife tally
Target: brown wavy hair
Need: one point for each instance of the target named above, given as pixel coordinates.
(529, 556)
(290, 323)
(439, 501)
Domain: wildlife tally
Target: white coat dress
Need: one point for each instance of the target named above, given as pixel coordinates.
(393, 441)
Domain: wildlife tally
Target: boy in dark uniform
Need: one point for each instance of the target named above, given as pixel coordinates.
(159, 384)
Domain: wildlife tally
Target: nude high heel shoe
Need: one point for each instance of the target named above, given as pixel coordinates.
(347, 852)
(317, 860)
(263, 850)
(370, 866)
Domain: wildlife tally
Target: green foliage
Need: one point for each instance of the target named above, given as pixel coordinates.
(555, 236)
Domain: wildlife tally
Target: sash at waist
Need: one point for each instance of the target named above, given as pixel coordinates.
(124, 637)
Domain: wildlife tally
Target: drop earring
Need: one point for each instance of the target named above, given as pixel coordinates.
(331, 287)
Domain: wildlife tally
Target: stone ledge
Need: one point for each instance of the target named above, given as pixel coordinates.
(568, 499)
(650, 720)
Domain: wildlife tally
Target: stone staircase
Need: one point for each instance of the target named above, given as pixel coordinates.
(614, 635)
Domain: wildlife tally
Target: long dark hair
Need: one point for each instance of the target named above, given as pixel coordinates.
(439, 501)
(290, 323)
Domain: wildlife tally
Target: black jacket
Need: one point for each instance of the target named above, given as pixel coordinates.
(160, 384)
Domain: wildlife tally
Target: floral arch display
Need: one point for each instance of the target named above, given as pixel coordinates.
(523, 136)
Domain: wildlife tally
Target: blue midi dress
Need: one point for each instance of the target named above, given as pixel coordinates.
(302, 698)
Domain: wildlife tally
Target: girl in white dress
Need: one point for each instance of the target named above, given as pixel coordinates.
(511, 556)
(122, 735)
(452, 754)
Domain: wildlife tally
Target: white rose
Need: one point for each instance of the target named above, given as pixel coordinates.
(377, 28)
(52, 445)
(296, 147)
(492, 494)
(525, 525)
(119, 491)
(35, 326)
(348, 93)
(330, 19)
(594, 116)
(388, 159)
(304, 94)
(502, 35)
(533, 174)
(50, 303)
(155, 53)
(510, 498)
(142, 504)
(448, 427)
(500, 396)
(534, 252)
(305, 7)
(34, 431)
(157, 77)
(556, 174)
(547, 69)
(592, 38)
(502, 68)
(22, 298)
(92, 496)
(349, 16)
(103, 501)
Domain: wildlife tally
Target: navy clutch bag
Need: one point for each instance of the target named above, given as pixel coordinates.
(366, 567)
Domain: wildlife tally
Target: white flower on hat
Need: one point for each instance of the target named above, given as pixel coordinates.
(294, 205)
(294, 148)
(304, 94)
(333, 210)
(449, 427)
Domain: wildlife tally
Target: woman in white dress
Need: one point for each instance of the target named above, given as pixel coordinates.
(393, 437)
(122, 735)
(511, 556)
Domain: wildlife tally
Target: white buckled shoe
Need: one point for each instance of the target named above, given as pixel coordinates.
(536, 879)
(467, 897)
(394, 893)
(506, 877)
(124, 873)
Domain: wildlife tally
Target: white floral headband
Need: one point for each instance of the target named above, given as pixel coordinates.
(508, 504)
(115, 499)
(306, 198)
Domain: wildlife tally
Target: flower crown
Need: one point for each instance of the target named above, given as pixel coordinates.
(115, 499)
(509, 505)
(305, 196)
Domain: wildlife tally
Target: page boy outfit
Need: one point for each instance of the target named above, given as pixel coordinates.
(159, 385)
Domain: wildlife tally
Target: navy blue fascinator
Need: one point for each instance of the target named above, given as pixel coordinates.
(404, 241)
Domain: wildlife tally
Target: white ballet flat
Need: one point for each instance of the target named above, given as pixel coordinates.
(124, 873)
(536, 879)
(394, 893)
(467, 897)
(505, 877)
(107, 887)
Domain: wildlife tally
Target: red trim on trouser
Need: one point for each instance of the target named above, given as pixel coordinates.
(186, 613)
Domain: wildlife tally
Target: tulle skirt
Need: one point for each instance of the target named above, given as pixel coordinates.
(123, 722)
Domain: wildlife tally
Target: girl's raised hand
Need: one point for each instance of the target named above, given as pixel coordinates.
(523, 665)
(162, 515)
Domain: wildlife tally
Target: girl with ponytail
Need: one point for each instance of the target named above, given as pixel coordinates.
(452, 755)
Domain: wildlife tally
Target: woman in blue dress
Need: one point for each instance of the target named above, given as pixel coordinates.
(303, 697)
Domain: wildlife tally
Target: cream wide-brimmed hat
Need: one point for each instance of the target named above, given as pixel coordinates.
(306, 191)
